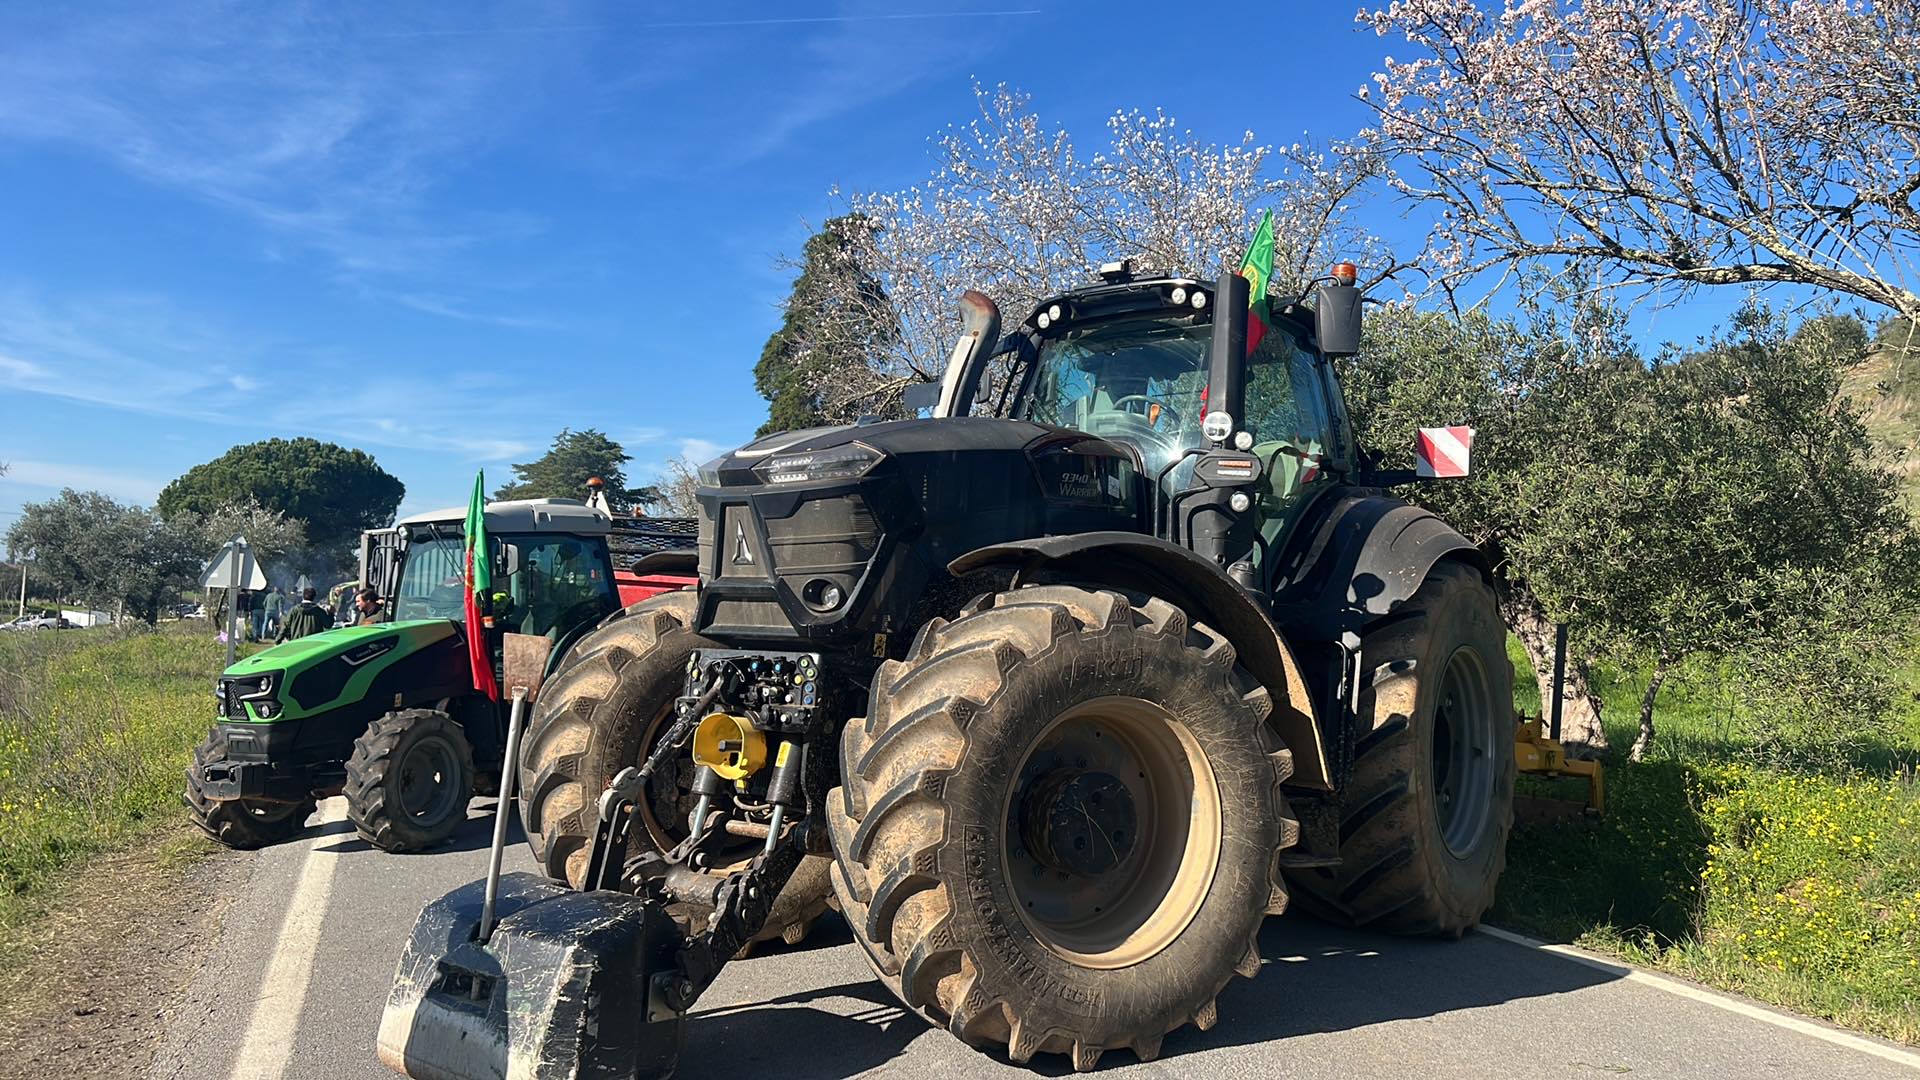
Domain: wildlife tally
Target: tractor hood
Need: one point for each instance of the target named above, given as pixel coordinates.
(784, 453)
(303, 651)
(825, 534)
(352, 666)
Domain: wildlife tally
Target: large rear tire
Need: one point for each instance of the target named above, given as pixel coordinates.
(239, 823)
(1060, 823)
(409, 780)
(609, 701)
(1423, 837)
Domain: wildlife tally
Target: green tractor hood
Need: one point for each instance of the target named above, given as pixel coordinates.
(363, 668)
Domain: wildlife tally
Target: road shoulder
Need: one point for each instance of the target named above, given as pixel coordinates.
(94, 985)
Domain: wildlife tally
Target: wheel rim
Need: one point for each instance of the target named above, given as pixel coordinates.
(1112, 835)
(1465, 748)
(429, 781)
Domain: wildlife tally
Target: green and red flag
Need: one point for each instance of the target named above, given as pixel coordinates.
(479, 574)
(1257, 268)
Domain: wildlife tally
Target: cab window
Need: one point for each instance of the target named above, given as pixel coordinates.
(557, 583)
(1133, 380)
(1292, 427)
(433, 579)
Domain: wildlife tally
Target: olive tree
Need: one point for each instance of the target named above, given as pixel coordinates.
(1722, 502)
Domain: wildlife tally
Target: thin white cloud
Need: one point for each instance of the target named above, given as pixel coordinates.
(54, 475)
(700, 451)
(17, 370)
(124, 351)
(285, 115)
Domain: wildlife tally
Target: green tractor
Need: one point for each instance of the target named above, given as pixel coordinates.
(1068, 687)
(387, 713)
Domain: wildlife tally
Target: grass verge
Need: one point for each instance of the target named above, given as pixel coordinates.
(1795, 886)
(96, 727)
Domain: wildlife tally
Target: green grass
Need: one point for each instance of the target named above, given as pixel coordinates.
(96, 727)
(1797, 886)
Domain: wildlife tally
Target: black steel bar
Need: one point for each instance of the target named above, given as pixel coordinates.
(1559, 677)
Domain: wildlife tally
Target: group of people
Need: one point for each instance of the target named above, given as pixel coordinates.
(268, 616)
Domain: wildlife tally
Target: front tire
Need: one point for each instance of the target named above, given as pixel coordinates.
(1427, 813)
(610, 700)
(1060, 823)
(239, 823)
(409, 780)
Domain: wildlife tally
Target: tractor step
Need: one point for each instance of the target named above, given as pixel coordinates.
(565, 988)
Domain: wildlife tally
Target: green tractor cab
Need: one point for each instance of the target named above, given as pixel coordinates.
(386, 713)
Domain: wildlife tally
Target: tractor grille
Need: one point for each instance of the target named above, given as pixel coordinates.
(825, 536)
(633, 539)
(829, 539)
(832, 537)
(232, 709)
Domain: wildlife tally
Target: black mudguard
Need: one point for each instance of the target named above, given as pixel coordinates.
(1356, 557)
(560, 992)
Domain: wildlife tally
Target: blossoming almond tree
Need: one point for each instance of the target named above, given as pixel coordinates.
(1018, 210)
(1662, 142)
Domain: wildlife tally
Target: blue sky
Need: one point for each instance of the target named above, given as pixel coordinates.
(442, 233)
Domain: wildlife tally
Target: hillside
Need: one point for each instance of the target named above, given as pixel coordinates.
(1886, 388)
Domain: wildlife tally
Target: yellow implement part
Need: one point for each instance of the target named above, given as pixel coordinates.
(730, 746)
(1534, 752)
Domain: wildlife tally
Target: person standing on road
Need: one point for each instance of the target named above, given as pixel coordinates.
(306, 618)
(276, 611)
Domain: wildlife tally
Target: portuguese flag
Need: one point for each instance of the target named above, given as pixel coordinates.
(479, 576)
(1257, 268)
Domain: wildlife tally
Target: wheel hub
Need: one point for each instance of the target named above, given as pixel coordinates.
(426, 789)
(1081, 823)
(1112, 831)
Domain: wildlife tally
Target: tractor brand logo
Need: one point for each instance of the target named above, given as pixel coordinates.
(742, 550)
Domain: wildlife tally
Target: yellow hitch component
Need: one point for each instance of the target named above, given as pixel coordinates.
(1534, 752)
(729, 745)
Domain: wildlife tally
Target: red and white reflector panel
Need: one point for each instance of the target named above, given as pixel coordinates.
(1444, 451)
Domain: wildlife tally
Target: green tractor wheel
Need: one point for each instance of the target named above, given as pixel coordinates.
(239, 823)
(409, 780)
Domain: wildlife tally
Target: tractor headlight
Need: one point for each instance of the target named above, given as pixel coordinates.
(808, 466)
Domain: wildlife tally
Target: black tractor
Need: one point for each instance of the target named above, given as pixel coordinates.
(1056, 694)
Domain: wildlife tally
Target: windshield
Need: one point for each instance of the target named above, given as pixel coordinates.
(1133, 380)
(433, 582)
(543, 584)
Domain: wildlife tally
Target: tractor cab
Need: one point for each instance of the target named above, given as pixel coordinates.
(551, 568)
(1132, 360)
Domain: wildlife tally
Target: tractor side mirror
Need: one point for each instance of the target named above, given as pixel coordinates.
(509, 559)
(1336, 318)
(921, 397)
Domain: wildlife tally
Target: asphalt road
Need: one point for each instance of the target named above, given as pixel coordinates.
(295, 985)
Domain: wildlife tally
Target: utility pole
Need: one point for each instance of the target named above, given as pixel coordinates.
(233, 596)
(23, 590)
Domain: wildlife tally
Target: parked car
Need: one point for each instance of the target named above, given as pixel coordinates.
(37, 622)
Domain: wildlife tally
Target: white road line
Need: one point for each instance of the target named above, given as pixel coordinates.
(283, 992)
(1726, 1002)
